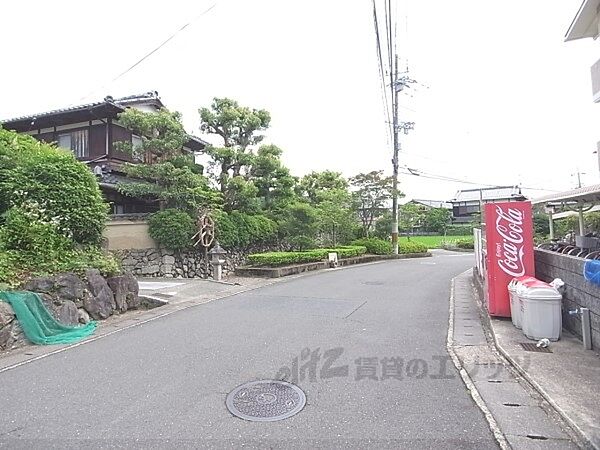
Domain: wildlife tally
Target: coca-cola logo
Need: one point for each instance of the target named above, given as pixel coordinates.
(510, 252)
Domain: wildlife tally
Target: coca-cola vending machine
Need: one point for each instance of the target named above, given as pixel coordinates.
(509, 241)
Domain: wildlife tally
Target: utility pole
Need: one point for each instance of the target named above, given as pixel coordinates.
(578, 173)
(396, 142)
(398, 85)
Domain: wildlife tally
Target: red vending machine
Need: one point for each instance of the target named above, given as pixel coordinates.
(509, 241)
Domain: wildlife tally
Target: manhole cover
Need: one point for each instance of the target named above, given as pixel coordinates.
(531, 347)
(265, 401)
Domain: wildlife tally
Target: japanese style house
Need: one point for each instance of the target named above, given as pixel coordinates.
(467, 203)
(92, 132)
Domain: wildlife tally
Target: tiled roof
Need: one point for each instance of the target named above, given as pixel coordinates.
(113, 178)
(487, 194)
(433, 203)
(121, 102)
(54, 111)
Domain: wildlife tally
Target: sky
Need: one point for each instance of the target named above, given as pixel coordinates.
(500, 97)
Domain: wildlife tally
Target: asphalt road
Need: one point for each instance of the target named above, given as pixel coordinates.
(163, 384)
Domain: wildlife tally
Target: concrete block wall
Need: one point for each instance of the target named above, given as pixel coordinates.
(578, 293)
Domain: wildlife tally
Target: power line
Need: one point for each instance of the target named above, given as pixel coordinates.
(382, 73)
(388, 30)
(154, 50)
(432, 176)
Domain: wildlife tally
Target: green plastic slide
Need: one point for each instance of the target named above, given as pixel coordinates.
(37, 322)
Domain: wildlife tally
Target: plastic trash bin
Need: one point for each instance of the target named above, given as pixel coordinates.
(541, 313)
(515, 303)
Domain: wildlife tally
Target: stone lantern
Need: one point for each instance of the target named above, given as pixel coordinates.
(217, 259)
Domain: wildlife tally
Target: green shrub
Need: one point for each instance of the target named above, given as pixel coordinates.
(460, 230)
(383, 226)
(51, 212)
(300, 243)
(298, 219)
(29, 246)
(411, 247)
(92, 258)
(237, 230)
(172, 228)
(315, 255)
(8, 269)
(375, 246)
(465, 243)
(26, 232)
(62, 190)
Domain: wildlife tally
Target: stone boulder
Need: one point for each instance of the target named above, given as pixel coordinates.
(7, 315)
(67, 313)
(42, 285)
(69, 286)
(82, 316)
(100, 302)
(11, 334)
(125, 289)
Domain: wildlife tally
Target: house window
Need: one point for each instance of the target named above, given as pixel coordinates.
(76, 141)
(137, 151)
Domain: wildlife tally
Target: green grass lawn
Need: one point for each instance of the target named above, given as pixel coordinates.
(433, 241)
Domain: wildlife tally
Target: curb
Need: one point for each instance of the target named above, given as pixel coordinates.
(494, 428)
(297, 269)
(534, 384)
(578, 431)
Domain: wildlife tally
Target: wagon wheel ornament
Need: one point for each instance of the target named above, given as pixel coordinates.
(206, 231)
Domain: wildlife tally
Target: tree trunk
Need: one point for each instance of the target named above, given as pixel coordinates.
(223, 177)
(237, 168)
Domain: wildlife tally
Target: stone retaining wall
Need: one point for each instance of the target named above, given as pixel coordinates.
(578, 291)
(154, 262)
(72, 300)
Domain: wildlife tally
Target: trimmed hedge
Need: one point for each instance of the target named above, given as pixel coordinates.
(465, 243)
(315, 255)
(411, 247)
(238, 230)
(460, 230)
(172, 228)
(450, 244)
(375, 246)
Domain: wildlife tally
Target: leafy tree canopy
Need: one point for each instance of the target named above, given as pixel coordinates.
(410, 216)
(169, 176)
(372, 191)
(239, 127)
(315, 185)
(172, 187)
(437, 219)
(274, 182)
(162, 132)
